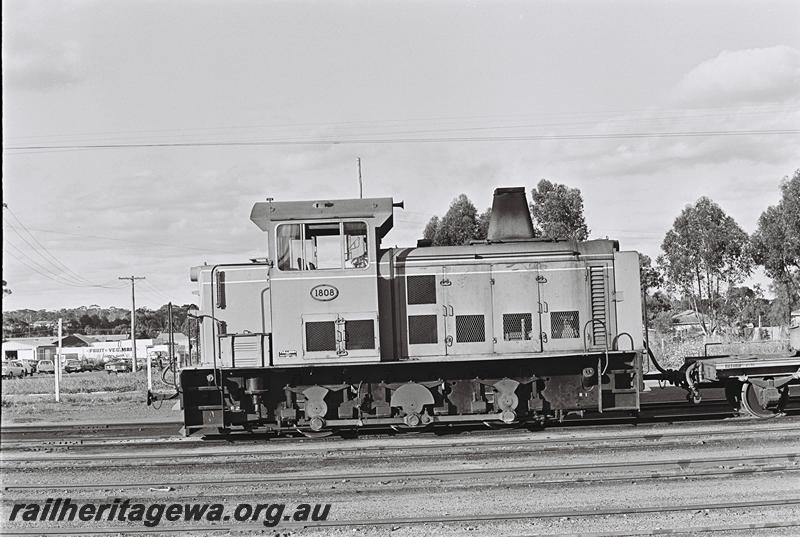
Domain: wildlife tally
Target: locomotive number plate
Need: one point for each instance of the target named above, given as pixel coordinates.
(324, 292)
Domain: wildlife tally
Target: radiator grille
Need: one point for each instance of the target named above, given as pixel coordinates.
(421, 289)
(422, 329)
(470, 328)
(597, 282)
(517, 326)
(359, 334)
(247, 351)
(564, 324)
(320, 336)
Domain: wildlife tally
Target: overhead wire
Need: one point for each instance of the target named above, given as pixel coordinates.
(157, 292)
(38, 247)
(683, 113)
(44, 274)
(48, 264)
(40, 268)
(133, 241)
(360, 141)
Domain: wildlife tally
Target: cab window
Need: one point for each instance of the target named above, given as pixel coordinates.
(355, 245)
(322, 245)
(290, 247)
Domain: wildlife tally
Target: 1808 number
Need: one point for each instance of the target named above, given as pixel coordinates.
(324, 292)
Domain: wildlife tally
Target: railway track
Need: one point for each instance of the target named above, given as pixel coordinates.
(682, 464)
(470, 518)
(193, 450)
(560, 483)
(657, 406)
(79, 431)
(558, 433)
(771, 510)
(511, 445)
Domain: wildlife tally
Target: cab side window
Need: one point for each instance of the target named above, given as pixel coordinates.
(355, 245)
(289, 247)
(322, 245)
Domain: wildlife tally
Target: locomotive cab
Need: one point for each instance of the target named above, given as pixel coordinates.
(323, 278)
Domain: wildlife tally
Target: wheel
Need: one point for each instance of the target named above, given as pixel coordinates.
(313, 434)
(752, 406)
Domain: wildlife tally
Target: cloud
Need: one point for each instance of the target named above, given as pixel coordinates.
(739, 91)
(44, 44)
(743, 76)
(43, 66)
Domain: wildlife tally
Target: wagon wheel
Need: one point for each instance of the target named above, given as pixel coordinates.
(751, 405)
(313, 434)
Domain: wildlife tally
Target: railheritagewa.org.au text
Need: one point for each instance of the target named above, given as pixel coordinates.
(154, 514)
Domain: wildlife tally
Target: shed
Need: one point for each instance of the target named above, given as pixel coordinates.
(29, 348)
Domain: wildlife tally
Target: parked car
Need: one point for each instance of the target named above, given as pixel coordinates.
(13, 369)
(93, 365)
(117, 366)
(45, 366)
(30, 366)
(73, 366)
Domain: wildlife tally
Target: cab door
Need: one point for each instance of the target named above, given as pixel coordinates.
(323, 294)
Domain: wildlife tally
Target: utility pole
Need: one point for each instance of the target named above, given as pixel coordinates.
(57, 368)
(360, 183)
(171, 336)
(133, 313)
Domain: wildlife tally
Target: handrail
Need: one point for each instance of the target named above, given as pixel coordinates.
(213, 316)
(264, 321)
(616, 339)
(592, 321)
(213, 341)
(605, 368)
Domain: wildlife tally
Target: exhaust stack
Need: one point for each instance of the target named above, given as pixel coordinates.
(511, 218)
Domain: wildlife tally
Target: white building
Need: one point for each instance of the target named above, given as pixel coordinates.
(29, 348)
(107, 350)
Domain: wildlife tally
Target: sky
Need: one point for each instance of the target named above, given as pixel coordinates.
(279, 99)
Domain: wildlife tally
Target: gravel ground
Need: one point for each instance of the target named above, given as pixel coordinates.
(577, 496)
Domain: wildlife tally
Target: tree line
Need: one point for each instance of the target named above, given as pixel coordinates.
(94, 320)
(705, 257)
(556, 212)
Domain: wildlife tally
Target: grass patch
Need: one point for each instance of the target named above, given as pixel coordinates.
(85, 382)
(103, 408)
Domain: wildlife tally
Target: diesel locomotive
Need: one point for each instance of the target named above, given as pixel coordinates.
(332, 331)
